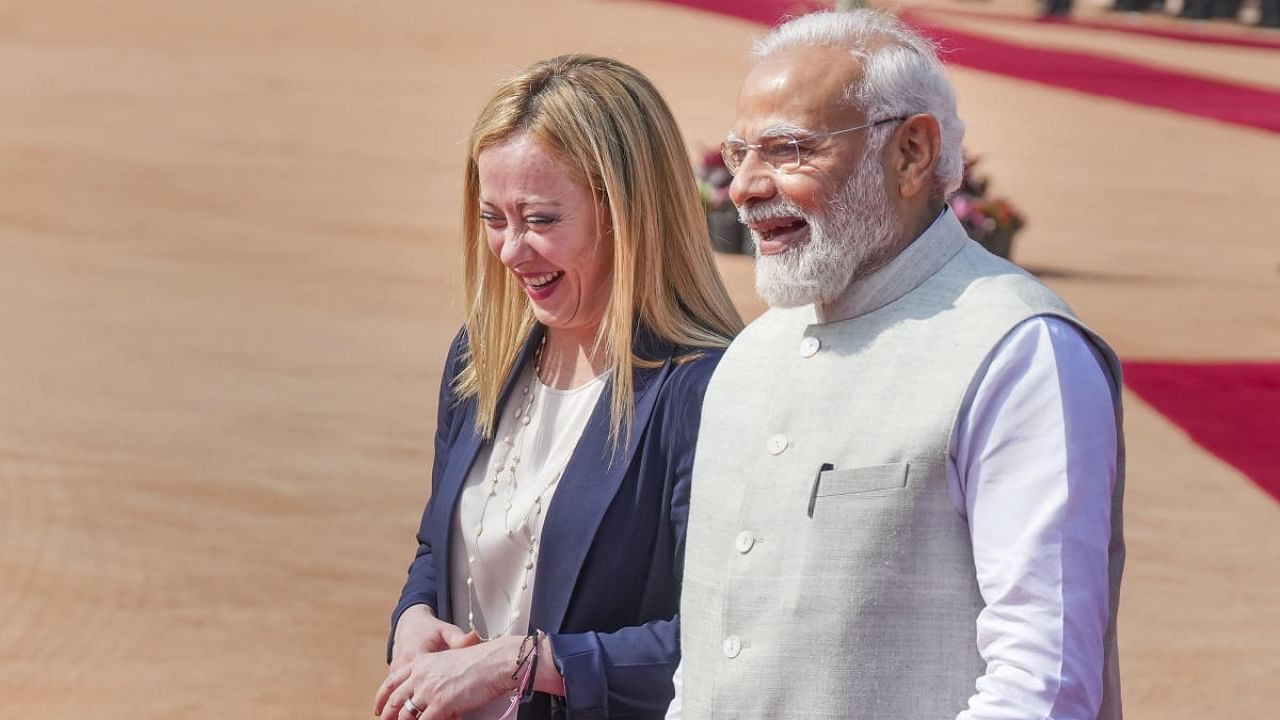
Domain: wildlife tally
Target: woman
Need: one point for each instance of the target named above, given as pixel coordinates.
(550, 553)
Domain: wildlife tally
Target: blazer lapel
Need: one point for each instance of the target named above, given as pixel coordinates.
(587, 487)
(462, 455)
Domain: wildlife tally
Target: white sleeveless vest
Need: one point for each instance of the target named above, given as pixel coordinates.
(851, 591)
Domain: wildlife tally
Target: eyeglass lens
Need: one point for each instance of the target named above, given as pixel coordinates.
(782, 153)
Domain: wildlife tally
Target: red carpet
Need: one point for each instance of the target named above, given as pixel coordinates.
(1093, 74)
(1110, 77)
(1165, 33)
(1230, 409)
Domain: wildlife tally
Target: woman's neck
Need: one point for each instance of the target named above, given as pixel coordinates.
(567, 361)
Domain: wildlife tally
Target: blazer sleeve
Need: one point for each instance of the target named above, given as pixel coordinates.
(628, 672)
(421, 586)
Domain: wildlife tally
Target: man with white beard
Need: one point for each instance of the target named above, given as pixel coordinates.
(907, 487)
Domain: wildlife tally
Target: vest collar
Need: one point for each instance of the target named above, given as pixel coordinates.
(916, 263)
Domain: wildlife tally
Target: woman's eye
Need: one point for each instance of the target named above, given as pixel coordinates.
(491, 219)
(539, 220)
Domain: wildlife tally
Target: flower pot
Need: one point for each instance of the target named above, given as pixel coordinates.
(747, 246)
(998, 242)
(726, 231)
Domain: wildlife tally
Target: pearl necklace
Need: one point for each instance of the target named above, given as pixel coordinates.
(513, 445)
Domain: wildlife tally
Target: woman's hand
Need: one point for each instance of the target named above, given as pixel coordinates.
(419, 631)
(446, 683)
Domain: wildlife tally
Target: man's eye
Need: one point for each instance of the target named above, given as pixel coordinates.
(779, 151)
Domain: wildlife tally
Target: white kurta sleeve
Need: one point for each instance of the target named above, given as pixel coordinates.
(1033, 467)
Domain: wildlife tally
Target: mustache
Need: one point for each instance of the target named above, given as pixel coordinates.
(778, 209)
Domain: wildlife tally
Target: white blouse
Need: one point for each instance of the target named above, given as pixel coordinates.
(500, 512)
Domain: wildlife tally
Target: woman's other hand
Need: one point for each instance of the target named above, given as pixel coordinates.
(419, 631)
(444, 684)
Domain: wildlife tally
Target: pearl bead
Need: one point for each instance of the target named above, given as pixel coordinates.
(507, 465)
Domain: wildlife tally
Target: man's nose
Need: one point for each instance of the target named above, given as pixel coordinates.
(753, 181)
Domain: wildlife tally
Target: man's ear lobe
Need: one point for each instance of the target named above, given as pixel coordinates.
(918, 143)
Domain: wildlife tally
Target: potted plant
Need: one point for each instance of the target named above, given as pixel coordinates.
(991, 221)
(728, 235)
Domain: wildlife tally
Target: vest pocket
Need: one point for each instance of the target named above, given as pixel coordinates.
(852, 481)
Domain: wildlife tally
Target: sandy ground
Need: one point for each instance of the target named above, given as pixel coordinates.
(229, 275)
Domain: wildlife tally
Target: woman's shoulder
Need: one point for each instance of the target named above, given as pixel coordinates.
(694, 365)
(457, 349)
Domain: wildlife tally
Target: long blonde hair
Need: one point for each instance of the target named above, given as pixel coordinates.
(614, 134)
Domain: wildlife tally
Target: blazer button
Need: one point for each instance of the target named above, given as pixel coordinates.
(732, 646)
(809, 346)
(776, 444)
(745, 541)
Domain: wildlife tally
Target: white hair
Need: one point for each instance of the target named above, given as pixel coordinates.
(901, 75)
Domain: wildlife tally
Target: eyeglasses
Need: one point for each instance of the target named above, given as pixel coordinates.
(784, 153)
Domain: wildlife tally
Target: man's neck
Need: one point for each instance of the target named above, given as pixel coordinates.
(856, 296)
(917, 219)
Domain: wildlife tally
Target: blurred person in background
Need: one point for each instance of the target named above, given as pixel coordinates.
(550, 553)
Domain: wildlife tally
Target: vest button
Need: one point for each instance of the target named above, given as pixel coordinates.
(776, 444)
(744, 542)
(809, 346)
(732, 646)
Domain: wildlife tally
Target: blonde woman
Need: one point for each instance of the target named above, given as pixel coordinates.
(547, 577)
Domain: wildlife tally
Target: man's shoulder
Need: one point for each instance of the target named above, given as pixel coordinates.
(984, 280)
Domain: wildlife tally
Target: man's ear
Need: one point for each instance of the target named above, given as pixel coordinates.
(914, 152)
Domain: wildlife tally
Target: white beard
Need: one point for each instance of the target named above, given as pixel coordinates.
(848, 240)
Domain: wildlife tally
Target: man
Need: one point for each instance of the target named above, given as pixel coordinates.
(906, 492)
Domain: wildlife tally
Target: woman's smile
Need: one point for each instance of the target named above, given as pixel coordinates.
(539, 286)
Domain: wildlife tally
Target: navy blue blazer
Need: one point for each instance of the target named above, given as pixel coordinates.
(607, 587)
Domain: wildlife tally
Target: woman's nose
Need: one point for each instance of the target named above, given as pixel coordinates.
(514, 248)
